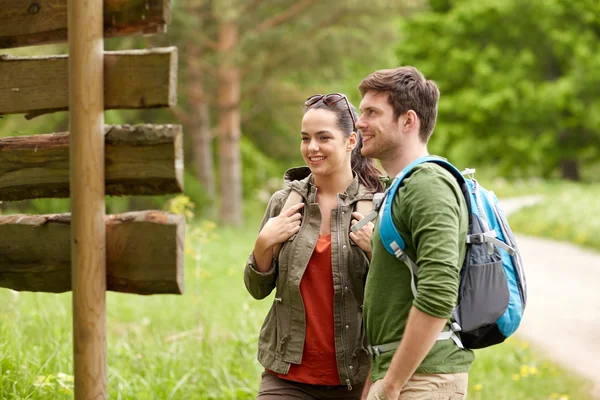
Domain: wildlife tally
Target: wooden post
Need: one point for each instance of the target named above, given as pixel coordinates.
(88, 233)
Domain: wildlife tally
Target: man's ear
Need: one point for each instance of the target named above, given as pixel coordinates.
(411, 120)
(352, 141)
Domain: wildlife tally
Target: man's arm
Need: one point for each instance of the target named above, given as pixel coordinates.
(433, 217)
(422, 331)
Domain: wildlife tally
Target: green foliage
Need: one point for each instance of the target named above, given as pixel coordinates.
(260, 172)
(520, 80)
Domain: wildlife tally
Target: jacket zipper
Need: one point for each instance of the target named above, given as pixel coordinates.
(339, 224)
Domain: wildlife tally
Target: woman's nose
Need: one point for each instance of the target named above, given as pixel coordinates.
(313, 146)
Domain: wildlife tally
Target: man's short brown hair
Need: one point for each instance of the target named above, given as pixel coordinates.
(407, 89)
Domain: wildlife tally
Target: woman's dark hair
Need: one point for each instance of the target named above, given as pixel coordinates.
(368, 174)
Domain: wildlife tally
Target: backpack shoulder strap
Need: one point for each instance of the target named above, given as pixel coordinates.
(293, 199)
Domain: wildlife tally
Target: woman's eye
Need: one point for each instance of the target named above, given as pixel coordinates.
(324, 138)
(304, 139)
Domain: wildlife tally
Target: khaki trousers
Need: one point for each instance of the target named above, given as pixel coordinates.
(427, 387)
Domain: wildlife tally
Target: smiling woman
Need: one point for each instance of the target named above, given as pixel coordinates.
(312, 341)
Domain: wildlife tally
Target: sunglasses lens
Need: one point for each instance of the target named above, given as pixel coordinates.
(333, 98)
(313, 99)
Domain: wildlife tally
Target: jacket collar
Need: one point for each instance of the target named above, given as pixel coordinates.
(301, 180)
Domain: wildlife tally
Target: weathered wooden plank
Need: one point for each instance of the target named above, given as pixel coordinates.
(144, 253)
(132, 79)
(25, 23)
(139, 160)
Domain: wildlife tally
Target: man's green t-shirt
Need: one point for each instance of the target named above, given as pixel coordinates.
(430, 213)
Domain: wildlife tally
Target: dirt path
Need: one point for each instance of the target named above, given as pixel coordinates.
(562, 316)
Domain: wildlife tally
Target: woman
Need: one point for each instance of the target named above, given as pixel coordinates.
(312, 342)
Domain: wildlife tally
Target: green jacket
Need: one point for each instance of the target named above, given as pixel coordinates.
(281, 339)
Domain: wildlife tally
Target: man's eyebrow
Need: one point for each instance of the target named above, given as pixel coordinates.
(368, 108)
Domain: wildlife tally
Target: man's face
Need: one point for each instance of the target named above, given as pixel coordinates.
(379, 129)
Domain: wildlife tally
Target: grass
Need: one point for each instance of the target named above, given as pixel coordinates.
(202, 345)
(569, 213)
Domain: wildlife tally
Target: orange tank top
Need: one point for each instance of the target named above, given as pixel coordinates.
(319, 364)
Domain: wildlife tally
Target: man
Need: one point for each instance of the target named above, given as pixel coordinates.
(399, 111)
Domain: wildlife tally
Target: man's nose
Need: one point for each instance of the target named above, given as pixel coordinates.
(360, 124)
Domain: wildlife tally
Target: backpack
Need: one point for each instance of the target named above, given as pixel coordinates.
(492, 291)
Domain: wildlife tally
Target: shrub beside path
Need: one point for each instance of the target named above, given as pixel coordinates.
(562, 316)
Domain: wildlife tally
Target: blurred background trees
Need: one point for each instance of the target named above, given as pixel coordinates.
(520, 83)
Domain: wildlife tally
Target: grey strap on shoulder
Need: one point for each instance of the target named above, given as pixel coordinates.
(364, 207)
(293, 199)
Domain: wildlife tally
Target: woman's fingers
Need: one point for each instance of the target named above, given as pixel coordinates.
(357, 215)
(292, 210)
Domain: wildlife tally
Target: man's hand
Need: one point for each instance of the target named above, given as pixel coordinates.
(380, 392)
(391, 389)
(363, 237)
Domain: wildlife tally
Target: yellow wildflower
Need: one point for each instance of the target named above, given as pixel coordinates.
(533, 371)
(524, 370)
(478, 387)
(516, 377)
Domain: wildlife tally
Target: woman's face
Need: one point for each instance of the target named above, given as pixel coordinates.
(324, 147)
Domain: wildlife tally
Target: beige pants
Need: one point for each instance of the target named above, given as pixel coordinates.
(427, 387)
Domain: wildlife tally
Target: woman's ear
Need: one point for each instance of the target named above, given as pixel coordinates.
(352, 141)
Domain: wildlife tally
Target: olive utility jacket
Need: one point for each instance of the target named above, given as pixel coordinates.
(282, 337)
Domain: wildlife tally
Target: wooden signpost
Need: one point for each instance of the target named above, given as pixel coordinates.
(87, 251)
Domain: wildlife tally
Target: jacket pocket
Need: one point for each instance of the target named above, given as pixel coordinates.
(267, 339)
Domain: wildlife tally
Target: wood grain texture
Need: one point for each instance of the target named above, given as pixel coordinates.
(144, 253)
(139, 160)
(132, 79)
(26, 23)
(88, 231)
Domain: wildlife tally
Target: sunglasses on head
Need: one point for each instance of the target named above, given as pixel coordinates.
(329, 100)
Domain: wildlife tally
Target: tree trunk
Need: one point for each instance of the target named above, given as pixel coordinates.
(570, 169)
(569, 166)
(199, 124)
(229, 126)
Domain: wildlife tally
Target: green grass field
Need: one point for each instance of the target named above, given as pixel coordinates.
(202, 345)
(568, 213)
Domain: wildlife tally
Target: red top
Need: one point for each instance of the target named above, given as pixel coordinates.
(319, 365)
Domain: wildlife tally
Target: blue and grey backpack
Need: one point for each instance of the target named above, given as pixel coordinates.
(493, 292)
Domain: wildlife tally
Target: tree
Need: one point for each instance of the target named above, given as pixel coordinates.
(253, 52)
(520, 80)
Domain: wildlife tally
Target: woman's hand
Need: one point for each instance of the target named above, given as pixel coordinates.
(282, 227)
(363, 237)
